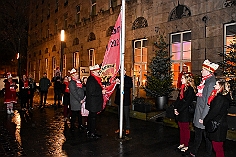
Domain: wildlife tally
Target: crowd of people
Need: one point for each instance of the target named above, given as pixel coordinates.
(212, 102)
(85, 99)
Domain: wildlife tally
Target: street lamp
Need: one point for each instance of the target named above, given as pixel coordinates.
(62, 49)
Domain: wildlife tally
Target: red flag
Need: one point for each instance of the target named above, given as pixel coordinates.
(111, 61)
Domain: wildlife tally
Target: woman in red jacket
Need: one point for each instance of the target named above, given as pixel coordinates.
(10, 93)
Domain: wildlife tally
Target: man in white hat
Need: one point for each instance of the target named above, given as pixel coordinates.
(204, 90)
(94, 99)
(76, 96)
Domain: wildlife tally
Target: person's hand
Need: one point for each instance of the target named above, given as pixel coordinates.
(176, 112)
(117, 81)
(201, 121)
(104, 91)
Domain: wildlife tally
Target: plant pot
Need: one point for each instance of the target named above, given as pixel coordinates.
(161, 102)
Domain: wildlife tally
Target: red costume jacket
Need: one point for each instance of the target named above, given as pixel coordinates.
(10, 92)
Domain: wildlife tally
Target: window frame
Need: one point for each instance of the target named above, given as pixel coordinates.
(91, 57)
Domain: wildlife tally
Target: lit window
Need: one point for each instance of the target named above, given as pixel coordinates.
(46, 65)
(180, 49)
(229, 35)
(76, 59)
(91, 57)
(140, 62)
(54, 65)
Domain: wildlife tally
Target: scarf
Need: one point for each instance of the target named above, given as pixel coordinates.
(181, 94)
(202, 85)
(98, 79)
(78, 83)
(212, 96)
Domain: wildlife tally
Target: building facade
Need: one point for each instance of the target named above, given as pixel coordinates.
(195, 29)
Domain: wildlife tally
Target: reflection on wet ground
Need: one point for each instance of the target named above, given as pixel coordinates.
(42, 132)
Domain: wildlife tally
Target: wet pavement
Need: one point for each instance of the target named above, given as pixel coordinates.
(42, 132)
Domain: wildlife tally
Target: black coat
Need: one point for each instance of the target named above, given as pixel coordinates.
(182, 105)
(218, 108)
(128, 84)
(94, 98)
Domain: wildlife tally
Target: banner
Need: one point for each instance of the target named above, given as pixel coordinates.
(111, 62)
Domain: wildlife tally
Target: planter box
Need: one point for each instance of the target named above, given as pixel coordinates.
(142, 108)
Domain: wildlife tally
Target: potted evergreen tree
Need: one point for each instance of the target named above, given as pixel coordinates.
(159, 78)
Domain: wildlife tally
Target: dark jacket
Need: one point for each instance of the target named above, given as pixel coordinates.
(57, 83)
(24, 91)
(218, 108)
(32, 86)
(128, 84)
(182, 105)
(44, 84)
(76, 95)
(94, 98)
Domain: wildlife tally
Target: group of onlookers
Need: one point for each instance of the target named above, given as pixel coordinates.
(212, 102)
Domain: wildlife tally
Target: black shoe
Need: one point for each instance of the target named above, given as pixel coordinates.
(82, 127)
(94, 136)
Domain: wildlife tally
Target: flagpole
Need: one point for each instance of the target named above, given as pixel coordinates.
(122, 65)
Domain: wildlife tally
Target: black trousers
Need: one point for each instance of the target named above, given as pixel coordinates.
(197, 142)
(57, 96)
(92, 122)
(75, 114)
(43, 94)
(31, 96)
(126, 111)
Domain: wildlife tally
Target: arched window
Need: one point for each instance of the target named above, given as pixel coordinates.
(140, 22)
(76, 41)
(179, 12)
(91, 37)
(54, 48)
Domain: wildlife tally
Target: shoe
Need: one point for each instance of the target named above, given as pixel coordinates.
(8, 111)
(12, 111)
(94, 136)
(184, 149)
(189, 155)
(180, 146)
(117, 131)
(127, 132)
(82, 127)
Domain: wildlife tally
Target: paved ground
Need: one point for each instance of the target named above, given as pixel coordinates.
(42, 132)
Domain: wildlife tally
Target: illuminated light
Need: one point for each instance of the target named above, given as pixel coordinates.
(18, 56)
(62, 35)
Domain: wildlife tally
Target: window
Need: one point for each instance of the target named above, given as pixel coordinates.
(46, 65)
(180, 49)
(42, 16)
(65, 20)
(29, 67)
(39, 67)
(47, 31)
(140, 62)
(48, 11)
(77, 14)
(91, 57)
(229, 35)
(93, 8)
(56, 10)
(56, 26)
(113, 3)
(66, 3)
(64, 65)
(54, 65)
(76, 59)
